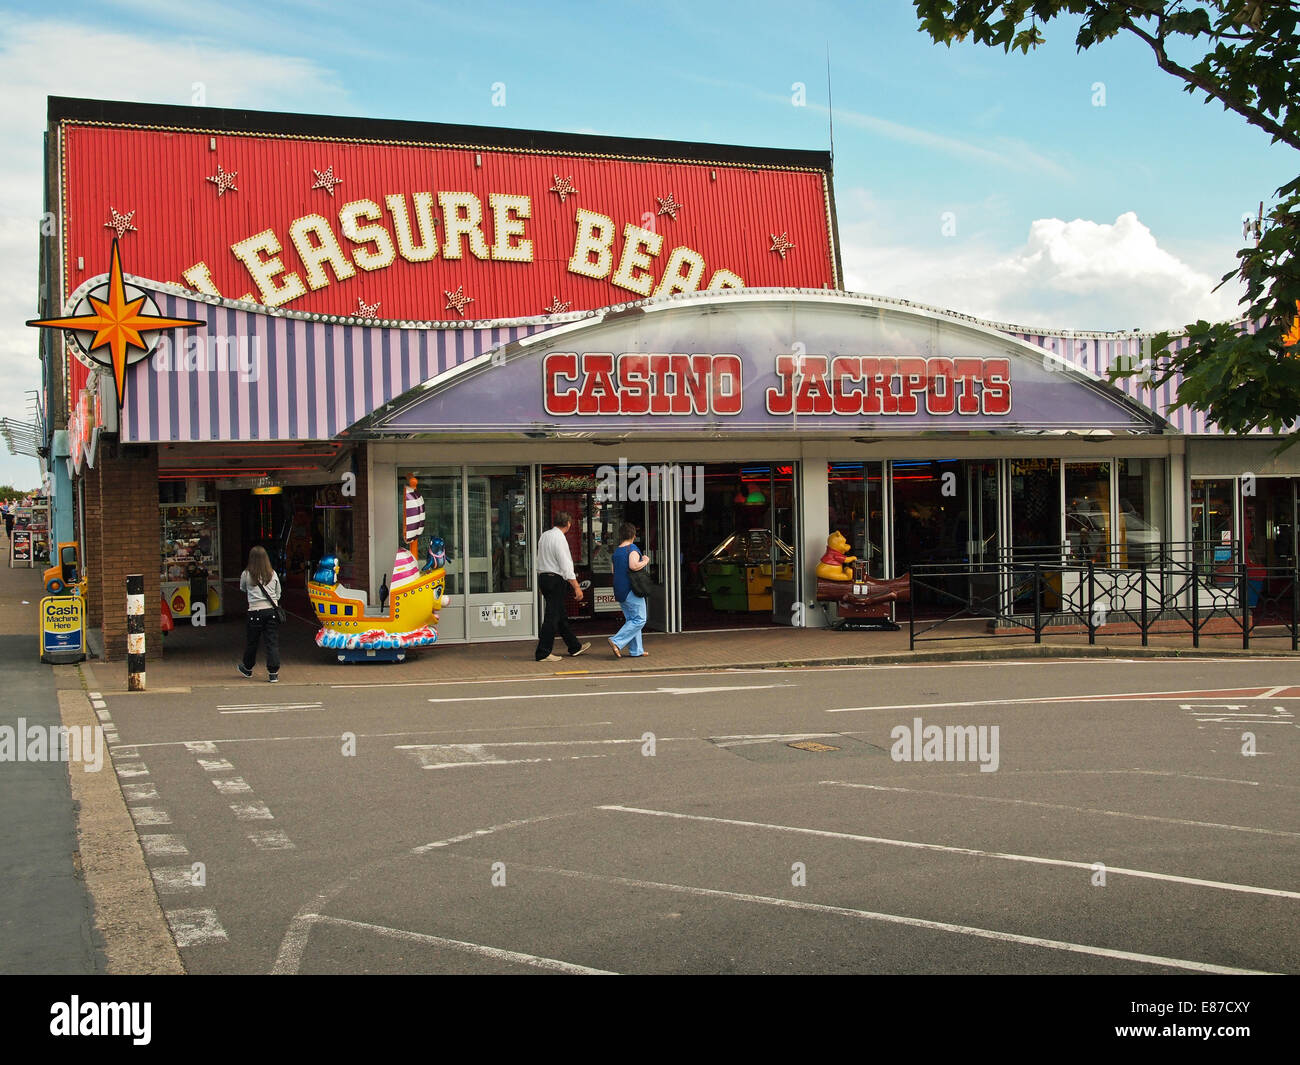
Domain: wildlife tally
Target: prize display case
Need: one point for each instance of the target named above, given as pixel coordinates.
(191, 557)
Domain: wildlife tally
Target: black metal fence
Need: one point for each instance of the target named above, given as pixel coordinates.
(1165, 589)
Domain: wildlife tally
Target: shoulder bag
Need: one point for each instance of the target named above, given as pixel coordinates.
(280, 614)
(639, 581)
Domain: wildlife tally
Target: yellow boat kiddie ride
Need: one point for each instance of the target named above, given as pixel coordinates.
(359, 632)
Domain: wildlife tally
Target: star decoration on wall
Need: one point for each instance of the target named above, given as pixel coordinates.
(224, 181)
(558, 306)
(367, 311)
(782, 243)
(563, 186)
(668, 206)
(117, 324)
(120, 223)
(325, 179)
(457, 300)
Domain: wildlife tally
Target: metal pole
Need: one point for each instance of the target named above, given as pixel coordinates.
(1142, 575)
(1196, 605)
(1295, 607)
(1038, 606)
(911, 611)
(1242, 597)
(135, 653)
(1092, 608)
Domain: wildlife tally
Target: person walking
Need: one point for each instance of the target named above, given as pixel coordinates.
(262, 586)
(554, 571)
(628, 559)
(9, 519)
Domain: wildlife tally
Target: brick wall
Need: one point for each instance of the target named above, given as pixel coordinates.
(129, 541)
(93, 540)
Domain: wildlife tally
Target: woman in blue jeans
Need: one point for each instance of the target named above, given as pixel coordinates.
(626, 558)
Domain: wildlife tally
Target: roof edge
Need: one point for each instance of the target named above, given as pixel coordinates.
(226, 120)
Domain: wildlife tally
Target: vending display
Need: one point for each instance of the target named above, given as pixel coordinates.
(191, 557)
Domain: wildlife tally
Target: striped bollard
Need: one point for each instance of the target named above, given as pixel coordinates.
(135, 633)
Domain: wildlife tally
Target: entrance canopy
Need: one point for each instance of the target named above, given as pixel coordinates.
(763, 362)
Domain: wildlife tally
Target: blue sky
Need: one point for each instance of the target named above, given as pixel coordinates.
(1065, 213)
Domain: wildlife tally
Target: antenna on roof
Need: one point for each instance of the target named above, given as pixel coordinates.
(830, 110)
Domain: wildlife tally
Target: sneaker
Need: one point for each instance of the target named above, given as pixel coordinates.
(274, 678)
(244, 671)
(584, 647)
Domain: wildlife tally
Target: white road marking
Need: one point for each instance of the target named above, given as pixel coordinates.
(495, 953)
(526, 743)
(99, 704)
(1131, 697)
(272, 839)
(913, 922)
(608, 694)
(334, 737)
(1114, 870)
(174, 879)
(139, 792)
(111, 737)
(194, 927)
(163, 846)
(252, 811)
(231, 785)
(103, 714)
(1061, 806)
(269, 708)
(512, 761)
(199, 747)
(215, 765)
(95, 695)
(476, 833)
(149, 815)
(125, 752)
(132, 769)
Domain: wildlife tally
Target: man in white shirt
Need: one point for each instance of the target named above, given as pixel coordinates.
(554, 570)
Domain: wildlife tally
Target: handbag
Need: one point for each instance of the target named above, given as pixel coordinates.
(638, 582)
(280, 614)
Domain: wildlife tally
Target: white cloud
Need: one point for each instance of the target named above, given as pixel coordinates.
(1069, 275)
(39, 58)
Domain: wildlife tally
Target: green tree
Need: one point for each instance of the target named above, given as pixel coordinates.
(1246, 57)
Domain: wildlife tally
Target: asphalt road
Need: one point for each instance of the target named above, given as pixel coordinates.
(664, 823)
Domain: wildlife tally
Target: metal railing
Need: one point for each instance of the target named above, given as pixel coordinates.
(1172, 589)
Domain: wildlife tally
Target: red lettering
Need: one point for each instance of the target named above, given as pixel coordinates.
(727, 388)
(912, 373)
(691, 378)
(814, 397)
(598, 395)
(967, 372)
(780, 400)
(634, 384)
(557, 367)
(844, 371)
(940, 399)
(996, 397)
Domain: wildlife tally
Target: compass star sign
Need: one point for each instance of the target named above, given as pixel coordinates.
(117, 324)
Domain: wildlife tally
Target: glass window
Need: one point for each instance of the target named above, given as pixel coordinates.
(441, 491)
(855, 508)
(498, 529)
(1087, 510)
(1140, 519)
(1214, 526)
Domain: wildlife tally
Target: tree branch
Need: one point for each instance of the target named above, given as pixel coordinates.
(1251, 114)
